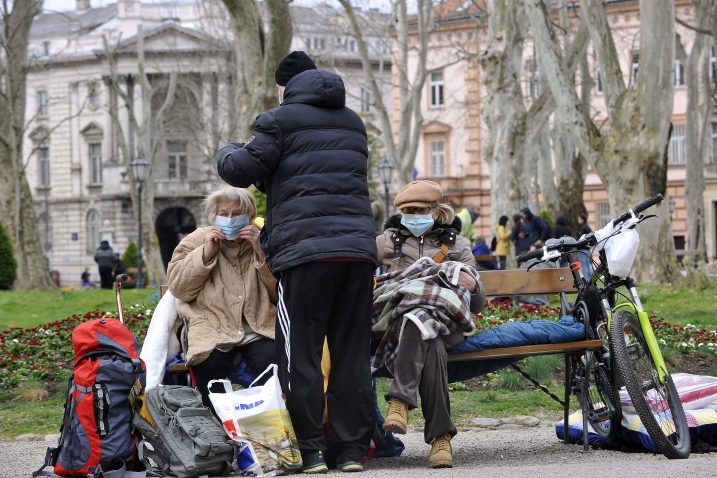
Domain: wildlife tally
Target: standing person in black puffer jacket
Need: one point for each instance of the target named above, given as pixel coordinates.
(309, 155)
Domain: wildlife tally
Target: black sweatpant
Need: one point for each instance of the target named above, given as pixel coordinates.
(257, 354)
(332, 300)
(106, 277)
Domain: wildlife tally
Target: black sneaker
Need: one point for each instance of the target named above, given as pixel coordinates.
(350, 466)
(313, 462)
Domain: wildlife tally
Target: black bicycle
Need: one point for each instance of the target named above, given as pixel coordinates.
(630, 362)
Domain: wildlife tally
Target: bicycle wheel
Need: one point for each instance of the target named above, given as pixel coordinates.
(598, 402)
(658, 405)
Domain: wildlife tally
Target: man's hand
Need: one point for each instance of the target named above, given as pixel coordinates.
(251, 233)
(212, 242)
(467, 282)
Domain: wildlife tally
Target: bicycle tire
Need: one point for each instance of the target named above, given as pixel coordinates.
(598, 403)
(657, 405)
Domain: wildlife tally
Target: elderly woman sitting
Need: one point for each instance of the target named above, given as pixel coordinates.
(227, 290)
(425, 227)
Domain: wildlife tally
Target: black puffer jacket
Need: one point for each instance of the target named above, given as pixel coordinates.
(310, 156)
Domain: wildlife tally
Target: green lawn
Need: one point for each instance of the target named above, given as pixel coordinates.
(32, 308)
(680, 305)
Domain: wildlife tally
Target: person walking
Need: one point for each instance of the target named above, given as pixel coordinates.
(519, 235)
(105, 258)
(310, 156)
(536, 231)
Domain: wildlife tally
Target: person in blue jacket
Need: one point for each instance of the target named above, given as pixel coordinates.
(482, 248)
(309, 155)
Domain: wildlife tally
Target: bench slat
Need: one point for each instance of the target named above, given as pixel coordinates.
(535, 281)
(527, 350)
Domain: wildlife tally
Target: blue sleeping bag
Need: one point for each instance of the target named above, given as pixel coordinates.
(511, 334)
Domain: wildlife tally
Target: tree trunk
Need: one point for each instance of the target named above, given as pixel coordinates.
(19, 213)
(504, 111)
(257, 54)
(697, 122)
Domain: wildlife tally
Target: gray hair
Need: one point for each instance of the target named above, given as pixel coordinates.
(444, 213)
(231, 194)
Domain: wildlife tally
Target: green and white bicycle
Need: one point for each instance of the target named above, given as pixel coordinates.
(630, 361)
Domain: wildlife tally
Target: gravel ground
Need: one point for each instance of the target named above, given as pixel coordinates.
(529, 453)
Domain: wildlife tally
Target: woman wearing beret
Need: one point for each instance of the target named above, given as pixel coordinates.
(425, 226)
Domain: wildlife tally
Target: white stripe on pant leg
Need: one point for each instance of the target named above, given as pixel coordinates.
(285, 324)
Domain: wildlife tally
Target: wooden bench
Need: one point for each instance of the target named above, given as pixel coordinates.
(536, 281)
(513, 283)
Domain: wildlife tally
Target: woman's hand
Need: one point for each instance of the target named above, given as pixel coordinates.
(251, 233)
(211, 244)
(467, 282)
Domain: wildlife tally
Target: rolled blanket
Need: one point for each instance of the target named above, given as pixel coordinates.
(425, 293)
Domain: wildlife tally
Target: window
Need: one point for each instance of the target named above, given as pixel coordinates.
(46, 48)
(365, 100)
(635, 67)
(679, 74)
(42, 103)
(603, 214)
(351, 45)
(177, 160)
(435, 85)
(43, 166)
(713, 66)
(676, 154)
(534, 88)
(317, 43)
(93, 229)
(95, 155)
(437, 158)
(598, 81)
(714, 142)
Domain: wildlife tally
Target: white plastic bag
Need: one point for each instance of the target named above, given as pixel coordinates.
(621, 251)
(257, 416)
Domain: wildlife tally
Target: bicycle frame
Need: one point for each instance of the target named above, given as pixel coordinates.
(635, 306)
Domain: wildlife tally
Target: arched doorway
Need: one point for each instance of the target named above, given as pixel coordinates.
(172, 225)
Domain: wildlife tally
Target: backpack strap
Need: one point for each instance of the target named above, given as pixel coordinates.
(442, 254)
(145, 454)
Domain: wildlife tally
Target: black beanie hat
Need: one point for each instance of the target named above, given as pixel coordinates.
(292, 64)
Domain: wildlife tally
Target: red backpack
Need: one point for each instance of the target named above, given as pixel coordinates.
(96, 432)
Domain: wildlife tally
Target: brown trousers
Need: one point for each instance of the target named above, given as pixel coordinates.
(421, 365)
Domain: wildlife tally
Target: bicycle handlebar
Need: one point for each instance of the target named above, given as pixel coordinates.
(638, 209)
(526, 256)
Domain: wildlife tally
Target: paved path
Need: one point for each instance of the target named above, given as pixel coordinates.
(529, 453)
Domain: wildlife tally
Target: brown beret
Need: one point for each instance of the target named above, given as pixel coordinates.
(421, 193)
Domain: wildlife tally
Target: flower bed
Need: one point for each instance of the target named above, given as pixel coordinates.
(45, 352)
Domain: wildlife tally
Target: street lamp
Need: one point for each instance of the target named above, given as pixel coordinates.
(139, 168)
(384, 171)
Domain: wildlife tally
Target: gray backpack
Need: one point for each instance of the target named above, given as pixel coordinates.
(186, 439)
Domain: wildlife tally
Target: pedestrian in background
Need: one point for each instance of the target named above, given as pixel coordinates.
(310, 156)
(105, 257)
(502, 246)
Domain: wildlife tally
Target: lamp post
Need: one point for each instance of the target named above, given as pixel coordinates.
(139, 168)
(385, 168)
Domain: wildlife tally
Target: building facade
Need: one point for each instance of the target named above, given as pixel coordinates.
(78, 125)
(450, 150)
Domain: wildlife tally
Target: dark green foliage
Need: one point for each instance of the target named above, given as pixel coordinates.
(129, 259)
(8, 266)
(260, 202)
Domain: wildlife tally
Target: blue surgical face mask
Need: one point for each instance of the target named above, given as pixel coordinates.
(230, 226)
(417, 224)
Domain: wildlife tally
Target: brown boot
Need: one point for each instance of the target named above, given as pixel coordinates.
(396, 418)
(441, 452)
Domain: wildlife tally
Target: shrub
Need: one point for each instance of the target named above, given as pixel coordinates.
(260, 198)
(8, 266)
(130, 260)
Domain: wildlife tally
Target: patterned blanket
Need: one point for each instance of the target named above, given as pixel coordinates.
(425, 293)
